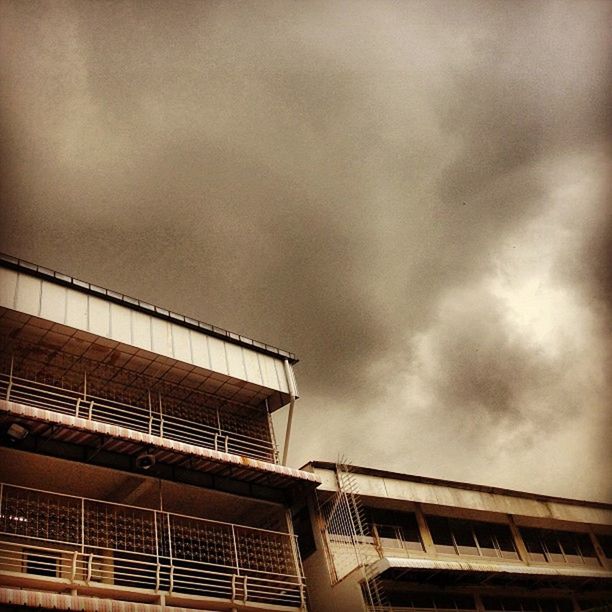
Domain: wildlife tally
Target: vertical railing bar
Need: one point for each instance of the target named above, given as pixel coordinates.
(171, 586)
(158, 568)
(275, 455)
(235, 549)
(83, 525)
(10, 385)
(161, 416)
(85, 385)
(150, 412)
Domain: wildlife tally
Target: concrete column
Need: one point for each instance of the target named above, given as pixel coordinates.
(426, 538)
(519, 543)
(598, 549)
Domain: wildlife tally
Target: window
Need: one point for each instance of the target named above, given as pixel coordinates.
(546, 545)
(442, 534)
(471, 538)
(396, 529)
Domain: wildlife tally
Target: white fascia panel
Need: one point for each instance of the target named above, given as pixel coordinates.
(218, 360)
(28, 296)
(99, 316)
(76, 310)
(141, 330)
(199, 349)
(235, 362)
(8, 287)
(181, 344)
(253, 372)
(67, 306)
(120, 325)
(53, 302)
(161, 337)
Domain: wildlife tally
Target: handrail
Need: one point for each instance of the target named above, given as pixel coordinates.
(188, 554)
(6, 486)
(198, 578)
(133, 416)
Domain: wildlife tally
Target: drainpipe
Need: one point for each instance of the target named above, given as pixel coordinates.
(289, 376)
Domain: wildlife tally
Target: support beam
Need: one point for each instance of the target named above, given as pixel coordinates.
(291, 405)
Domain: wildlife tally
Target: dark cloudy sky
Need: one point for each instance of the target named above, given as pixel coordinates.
(412, 196)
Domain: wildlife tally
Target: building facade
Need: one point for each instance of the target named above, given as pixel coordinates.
(138, 462)
(388, 541)
(139, 472)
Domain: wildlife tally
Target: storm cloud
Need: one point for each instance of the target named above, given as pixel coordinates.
(411, 196)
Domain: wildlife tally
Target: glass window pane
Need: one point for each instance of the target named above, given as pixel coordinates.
(589, 556)
(464, 538)
(505, 542)
(441, 534)
(533, 543)
(551, 545)
(410, 530)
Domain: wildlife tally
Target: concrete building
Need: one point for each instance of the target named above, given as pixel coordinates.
(138, 463)
(388, 541)
(139, 472)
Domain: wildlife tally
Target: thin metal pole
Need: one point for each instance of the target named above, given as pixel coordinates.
(291, 405)
(161, 416)
(235, 549)
(297, 560)
(150, 412)
(10, 385)
(171, 587)
(83, 525)
(157, 569)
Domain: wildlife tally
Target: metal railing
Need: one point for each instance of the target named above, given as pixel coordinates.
(90, 542)
(151, 419)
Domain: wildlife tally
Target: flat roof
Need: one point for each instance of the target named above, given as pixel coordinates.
(366, 471)
(20, 265)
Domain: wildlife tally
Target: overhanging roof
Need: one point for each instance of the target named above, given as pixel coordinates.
(34, 299)
(398, 487)
(58, 278)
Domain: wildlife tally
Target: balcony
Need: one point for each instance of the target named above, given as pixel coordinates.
(80, 387)
(58, 542)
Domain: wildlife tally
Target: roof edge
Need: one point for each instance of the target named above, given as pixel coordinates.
(14, 263)
(455, 484)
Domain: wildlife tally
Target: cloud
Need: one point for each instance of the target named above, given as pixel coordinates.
(375, 193)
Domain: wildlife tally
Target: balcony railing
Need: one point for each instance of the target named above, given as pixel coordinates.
(151, 418)
(94, 543)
